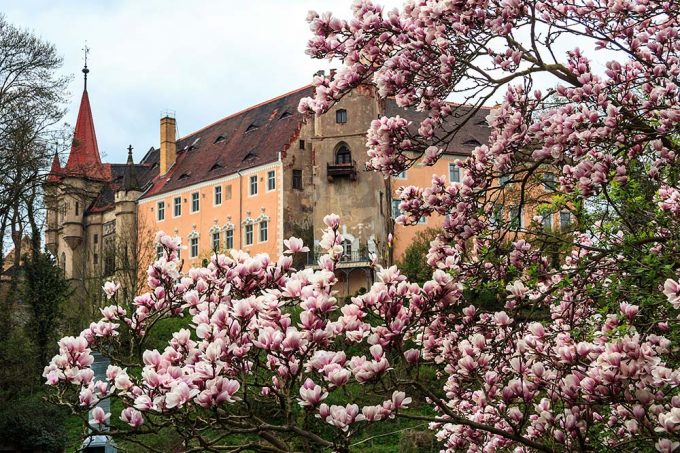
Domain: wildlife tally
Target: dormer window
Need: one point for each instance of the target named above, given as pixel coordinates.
(217, 165)
(184, 176)
(252, 127)
(341, 116)
(194, 144)
(285, 114)
(220, 139)
(250, 156)
(472, 142)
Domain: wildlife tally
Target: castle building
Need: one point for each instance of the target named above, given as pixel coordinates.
(247, 181)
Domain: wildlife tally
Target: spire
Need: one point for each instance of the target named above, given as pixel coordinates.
(130, 180)
(55, 170)
(84, 158)
(86, 50)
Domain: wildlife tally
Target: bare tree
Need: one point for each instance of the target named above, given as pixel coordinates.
(31, 105)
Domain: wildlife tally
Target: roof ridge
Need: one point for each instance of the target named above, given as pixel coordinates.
(245, 110)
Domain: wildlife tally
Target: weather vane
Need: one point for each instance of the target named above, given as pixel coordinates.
(86, 50)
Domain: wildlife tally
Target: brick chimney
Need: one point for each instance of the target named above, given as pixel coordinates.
(168, 143)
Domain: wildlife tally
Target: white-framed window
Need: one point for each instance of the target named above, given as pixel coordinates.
(271, 180)
(549, 182)
(454, 172)
(249, 234)
(229, 239)
(497, 215)
(161, 211)
(264, 233)
(565, 220)
(177, 206)
(194, 247)
(195, 202)
(218, 195)
(159, 251)
(346, 249)
(396, 212)
(422, 220)
(216, 240)
(401, 175)
(515, 217)
(253, 185)
(547, 221)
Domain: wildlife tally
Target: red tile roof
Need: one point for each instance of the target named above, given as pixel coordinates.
(55, 171)
(473, 133)
(243, 140)
(84, 159)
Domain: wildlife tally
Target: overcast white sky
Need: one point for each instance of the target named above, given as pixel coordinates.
(204, 59)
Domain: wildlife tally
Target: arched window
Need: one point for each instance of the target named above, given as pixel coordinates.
(343, 156)
(346, 250)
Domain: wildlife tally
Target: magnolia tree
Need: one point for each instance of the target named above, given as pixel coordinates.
(526, 337)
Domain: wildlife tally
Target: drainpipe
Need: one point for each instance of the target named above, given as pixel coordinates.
(240, 211)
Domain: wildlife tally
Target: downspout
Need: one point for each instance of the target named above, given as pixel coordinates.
(240, 211)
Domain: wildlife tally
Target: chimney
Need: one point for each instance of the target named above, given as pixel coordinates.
(168, 142)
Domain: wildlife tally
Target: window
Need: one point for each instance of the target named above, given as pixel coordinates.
(565, 220)
(341, 116)
(547, 221)
(395, 208)
(96, 239)
(195, 202)
(454, 173)
(218, 195)
(301, 144)
(194, 247)
(177, 206)
(401, 175)
(343, 156)
(422, 220)
(95, 259)
(62, 262)
(504, 179)
(77, 208)
(229, 239)
(229, 192)
(271, 180)
(549, 181)
(263, 231)
(159, 251)
(229, 242)
(346, 250)
(110, 255)
(515, 217)
(253, 185)
(497, 216)
(382, 212)
(249, 235)
(216, 240)
(161, 210)
(297, 179)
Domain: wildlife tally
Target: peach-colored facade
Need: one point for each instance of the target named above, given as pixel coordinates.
(421, 176)
(229, 215)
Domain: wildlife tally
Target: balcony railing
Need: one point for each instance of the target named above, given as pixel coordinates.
(341, 169)
(349, 258)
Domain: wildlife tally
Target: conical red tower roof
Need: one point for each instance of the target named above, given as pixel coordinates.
(55, 170)
(84, 159)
